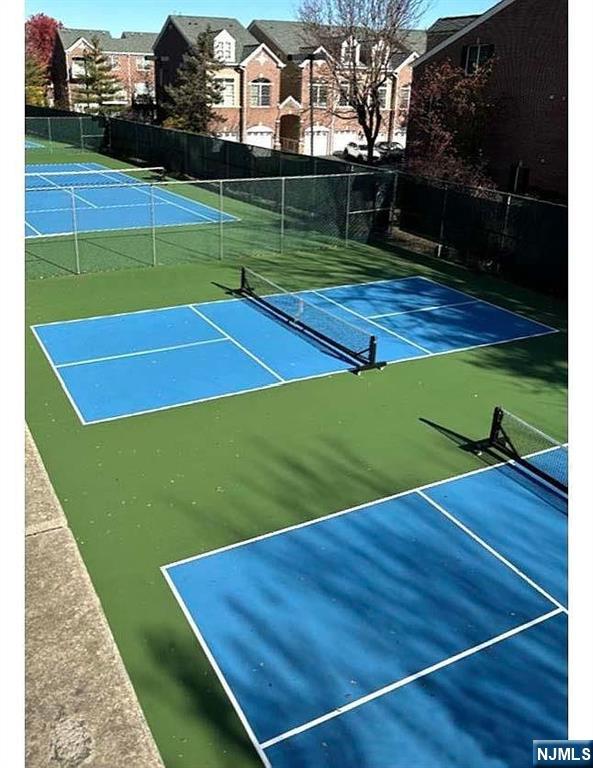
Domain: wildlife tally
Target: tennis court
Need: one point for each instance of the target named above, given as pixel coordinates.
(133, 363)
(62, 198)
(29, 144)
(427, 628)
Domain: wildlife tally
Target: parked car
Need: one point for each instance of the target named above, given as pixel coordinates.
(360, 152)
(390, 151)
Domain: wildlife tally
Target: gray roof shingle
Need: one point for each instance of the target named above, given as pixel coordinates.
(451, 23)
(129, 42)
(291, 38)
(191, 26)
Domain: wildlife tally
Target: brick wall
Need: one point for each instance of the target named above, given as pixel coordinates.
(530, 86)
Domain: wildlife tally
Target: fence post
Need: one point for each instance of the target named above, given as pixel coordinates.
(506, 223)
(221, 212)
(75, 231)
(442, 226)
(49, 137)
(348, 190)
(282, 208)
(153, 224)
(81, 134)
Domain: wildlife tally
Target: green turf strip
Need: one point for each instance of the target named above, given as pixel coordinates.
(144, 491)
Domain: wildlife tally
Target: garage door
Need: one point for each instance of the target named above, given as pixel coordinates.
(341, 138)
(261, 136)
(320, 141)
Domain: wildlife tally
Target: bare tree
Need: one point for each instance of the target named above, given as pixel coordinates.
(360, 38)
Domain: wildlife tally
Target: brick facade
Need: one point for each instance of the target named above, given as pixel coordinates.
(530, 85)
(133, 67)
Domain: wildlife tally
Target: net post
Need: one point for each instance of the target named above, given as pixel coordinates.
(282, 209)
(153, 224)
(373, 351)
(496, 424)
(348, 192)
(80, 131)
(442, 224)
(49, 138)
(220, 218)
(75, 231)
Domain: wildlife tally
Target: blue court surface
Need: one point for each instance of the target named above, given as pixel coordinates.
(32, 144)
(103, 199)
(423, 630)
(123, 365)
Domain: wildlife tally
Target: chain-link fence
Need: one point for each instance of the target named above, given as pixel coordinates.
(177, 222)
(517, 237)
(207, 157)
(83, 132)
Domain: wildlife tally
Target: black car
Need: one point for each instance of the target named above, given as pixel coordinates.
(390, 151)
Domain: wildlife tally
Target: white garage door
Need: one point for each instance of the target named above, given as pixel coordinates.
(341, 138)
(320, 141)
(260, 136)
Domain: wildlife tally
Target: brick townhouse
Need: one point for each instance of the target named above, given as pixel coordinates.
(250, 75)
(333, 120)
(526, 143)
(130, 56)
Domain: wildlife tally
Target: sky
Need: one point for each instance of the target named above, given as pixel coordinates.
(149, 15)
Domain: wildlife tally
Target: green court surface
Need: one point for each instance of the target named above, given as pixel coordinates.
(145, 491)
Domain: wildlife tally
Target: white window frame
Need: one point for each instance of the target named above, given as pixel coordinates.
(143, 63)
(350, 51)
(478, 47)
(114, 61)
(224, 47)
(226, 82)
(316, 88)
(256, 92)
(404, 96)
(383, 93)
(77, 68)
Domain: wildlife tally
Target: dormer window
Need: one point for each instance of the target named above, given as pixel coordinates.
(224, 47)
(380, 53)
(350, 51)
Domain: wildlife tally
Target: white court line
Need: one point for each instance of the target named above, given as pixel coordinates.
(160, 202)
(496, 306)
(372, 322)
(127, 227)
(492, 551)
(32, 227)
(423, 309)
(410, 679)
(58, 376)
(176, 205)
(239, 345)
(358, 507)
(139, 352)
(221, 678)
(62, 188)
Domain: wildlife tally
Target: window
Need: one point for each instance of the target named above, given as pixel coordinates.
(382, 96)
(78, 68)
(227, 92)
(475, 56)
(143, 89)
(113, 61)
(260, 94)
(319, 95)
(344, 93)
(224, 46)
(350, 51)
(143, 63)
(404, 97)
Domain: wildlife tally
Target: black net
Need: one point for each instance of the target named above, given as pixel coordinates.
(92, 178)
(530, 447)
(325, 326)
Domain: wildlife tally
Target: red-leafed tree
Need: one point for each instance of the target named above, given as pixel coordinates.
(448, 115)
(40, 35)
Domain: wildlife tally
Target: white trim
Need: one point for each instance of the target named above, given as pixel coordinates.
(263, 47)
(290, 100)
(372, 322)
(363, 505)
(412, 57)
(138, 353)
(411, 678)
(221, 678)
(463, 31)
(467, 530)
(320, 49)
(238, 344)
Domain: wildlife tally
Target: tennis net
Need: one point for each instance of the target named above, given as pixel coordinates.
(529, 447)
(93, 177)
(324, 326)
